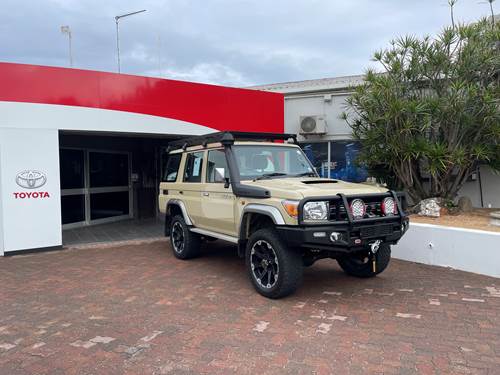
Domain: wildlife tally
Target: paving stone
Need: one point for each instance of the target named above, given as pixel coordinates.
(135, 309)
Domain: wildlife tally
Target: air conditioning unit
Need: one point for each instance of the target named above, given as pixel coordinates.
(315, 124)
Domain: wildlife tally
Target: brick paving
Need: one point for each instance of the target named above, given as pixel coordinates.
(137, 310)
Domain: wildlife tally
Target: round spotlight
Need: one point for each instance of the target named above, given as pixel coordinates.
(388, 206)
(358, 208)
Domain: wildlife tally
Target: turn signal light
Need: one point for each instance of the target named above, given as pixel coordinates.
(291, 208)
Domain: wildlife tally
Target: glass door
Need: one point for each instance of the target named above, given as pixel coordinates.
(72, 172)
(109, 186)
(95, 187)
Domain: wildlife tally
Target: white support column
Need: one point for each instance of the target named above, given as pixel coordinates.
(1, 210)
(30, 189)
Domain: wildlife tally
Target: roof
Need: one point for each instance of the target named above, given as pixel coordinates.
(313, 85)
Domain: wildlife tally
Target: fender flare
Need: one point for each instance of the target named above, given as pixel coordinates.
(182, 206)
(263, 209)
(168, 218)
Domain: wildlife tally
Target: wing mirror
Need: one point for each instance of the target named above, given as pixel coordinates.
(226, 182)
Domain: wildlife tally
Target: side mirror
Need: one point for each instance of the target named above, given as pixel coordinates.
(226, 182)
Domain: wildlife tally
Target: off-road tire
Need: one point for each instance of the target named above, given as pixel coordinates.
(289, 264)
(354, 267)
(190, 241)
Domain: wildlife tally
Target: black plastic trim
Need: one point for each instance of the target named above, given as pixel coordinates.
(353, 240)
(34, 250)
(239, 189)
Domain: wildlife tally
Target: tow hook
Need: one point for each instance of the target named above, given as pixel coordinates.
(374, 246)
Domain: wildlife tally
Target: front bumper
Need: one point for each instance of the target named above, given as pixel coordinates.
(347, 235)
(343, 237)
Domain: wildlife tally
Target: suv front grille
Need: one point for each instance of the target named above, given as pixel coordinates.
(376, 231)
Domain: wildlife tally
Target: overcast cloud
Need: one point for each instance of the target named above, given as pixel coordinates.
(232, 42)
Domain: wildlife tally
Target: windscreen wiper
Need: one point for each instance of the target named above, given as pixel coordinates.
(269, 175)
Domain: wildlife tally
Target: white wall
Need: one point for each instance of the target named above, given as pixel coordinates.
(306, 105)
(29, 223)
(463, 249)
(490, 182)
(1, 210)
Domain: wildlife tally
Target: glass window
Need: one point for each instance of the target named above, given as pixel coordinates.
(108, 169)
(171, 168)
(257, 161)
(343, 166)
(317, 153)
(104, 205)
(194, 164)
(72, 208)
(217, 170)
(71, 168)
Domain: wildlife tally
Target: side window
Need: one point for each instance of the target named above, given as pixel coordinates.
(217, 169)
(194, 164)
(171, 168)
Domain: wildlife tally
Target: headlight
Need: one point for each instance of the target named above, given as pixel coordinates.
(316, 210)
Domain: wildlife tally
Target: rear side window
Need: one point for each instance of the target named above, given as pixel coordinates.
(216, 166)
(194, 164)
(171, 168)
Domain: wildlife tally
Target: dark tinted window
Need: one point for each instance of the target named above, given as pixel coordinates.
(317, 153)
(194, 164)
(216, 166)
(108, 169)
(104, 205)
(71, 167)
(171, 168)
(343, 163)
(72, 208)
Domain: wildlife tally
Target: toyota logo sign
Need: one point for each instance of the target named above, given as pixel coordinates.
(31, 179)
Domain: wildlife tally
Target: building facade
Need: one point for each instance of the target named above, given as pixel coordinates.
(327, 139)
(82, 147)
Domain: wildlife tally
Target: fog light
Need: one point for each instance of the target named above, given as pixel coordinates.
(335, 236)
(319, 234)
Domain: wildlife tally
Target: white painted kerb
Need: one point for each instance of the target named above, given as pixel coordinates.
(469, 250)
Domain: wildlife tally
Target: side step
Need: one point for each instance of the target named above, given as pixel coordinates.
(220, 236)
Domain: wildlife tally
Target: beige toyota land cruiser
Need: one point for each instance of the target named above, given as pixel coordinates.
(263, 195)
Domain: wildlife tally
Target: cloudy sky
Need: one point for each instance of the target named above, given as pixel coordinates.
(232, 42)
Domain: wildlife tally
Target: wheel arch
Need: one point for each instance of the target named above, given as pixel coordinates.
(175, 207)
(255, 211)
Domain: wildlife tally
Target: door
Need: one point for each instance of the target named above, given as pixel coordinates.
(73, 187)
(192, 181)
(109, 186)
(217, 201)
(95, 187)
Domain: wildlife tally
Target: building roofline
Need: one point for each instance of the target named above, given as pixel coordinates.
(312, 85)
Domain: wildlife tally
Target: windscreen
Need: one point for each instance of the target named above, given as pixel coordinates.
(271, 161)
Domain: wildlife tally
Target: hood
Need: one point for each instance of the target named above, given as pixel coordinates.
(298, 188)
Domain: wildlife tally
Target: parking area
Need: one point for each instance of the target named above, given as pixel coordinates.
(135, 309)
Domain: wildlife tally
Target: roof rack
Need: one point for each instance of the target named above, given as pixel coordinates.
(228, 138)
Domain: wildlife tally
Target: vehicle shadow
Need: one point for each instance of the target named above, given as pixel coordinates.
(324, 275)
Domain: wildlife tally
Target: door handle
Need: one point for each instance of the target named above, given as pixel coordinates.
(181, 192)
(205, 194)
